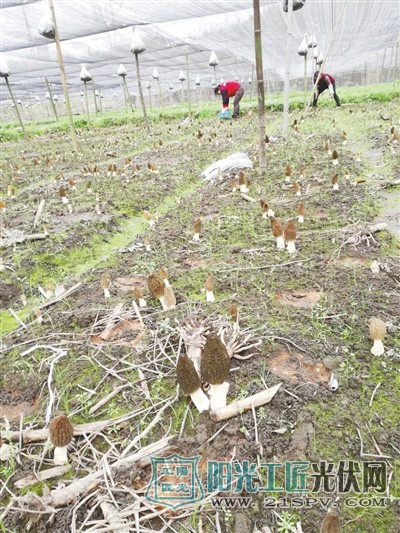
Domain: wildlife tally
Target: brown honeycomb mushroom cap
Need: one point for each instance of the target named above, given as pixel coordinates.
(186, 375)
(156, 285)
(61, 431)
(137, 292)
(276, 227)
(209, 284)
(163, 273)
(215, 361)
(377, 328)
(290, 231)
(197, 226)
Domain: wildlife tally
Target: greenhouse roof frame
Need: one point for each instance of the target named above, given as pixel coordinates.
(98, 33)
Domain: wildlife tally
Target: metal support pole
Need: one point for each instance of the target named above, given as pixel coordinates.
(188, 82)
(86, 101)
(16, 109)
(51, 98)
(94, 97)
(64, 80)
(260, 86)
(285, 119)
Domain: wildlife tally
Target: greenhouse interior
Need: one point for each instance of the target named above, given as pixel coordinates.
(199, 266)
(98, 34)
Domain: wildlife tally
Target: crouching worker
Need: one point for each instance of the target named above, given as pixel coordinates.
(326, 81)
(228, 90)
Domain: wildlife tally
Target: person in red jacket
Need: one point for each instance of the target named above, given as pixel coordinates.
(326, 81)
(228, 90)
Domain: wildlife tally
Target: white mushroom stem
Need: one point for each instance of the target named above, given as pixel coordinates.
(148, 247)
(344, 143)
(196, 237)
(287, 179)
(162, 302)
(64, 199)
(97, 209)
(335, 161)
(70, 208)
(167, 283)
(335, 187)
(210, 296)
(378, 348)
(291, 247)
(89, 190)
(218, 395)
(106, 293)
(243, 188)
(152, 223)
(142, 302)
(265, 214)
(301, 219)
(280, 242)
(60, 456)
(200, 400)
(270, 213)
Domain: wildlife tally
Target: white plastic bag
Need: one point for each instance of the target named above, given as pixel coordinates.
(297, 4)
(46, 26)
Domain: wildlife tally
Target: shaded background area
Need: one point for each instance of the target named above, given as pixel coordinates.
(98, 33)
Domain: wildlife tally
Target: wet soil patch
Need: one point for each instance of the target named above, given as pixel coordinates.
(298, 299)
(295, 367)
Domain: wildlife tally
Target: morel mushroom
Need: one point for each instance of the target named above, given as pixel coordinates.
(72, 184)
(290, 236)
(288, 173)
(243, 183)
(335, 182)
(61, 432)
(277, 232)
(190, 383)
(215, 363)
(157, 287)
(138, 294)
(234, 312)
(300, 212)
(266, 211)
(149, 217)
(147, 244)
(327, 147)
(377, 332)
(335, 157)
(38, 315)
(104, 284)
(197, 229)
(169, 297)
(297, 188)
(331, 523)
(209, 288)
(164, 276)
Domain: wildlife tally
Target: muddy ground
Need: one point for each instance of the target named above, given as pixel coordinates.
(309, 309)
